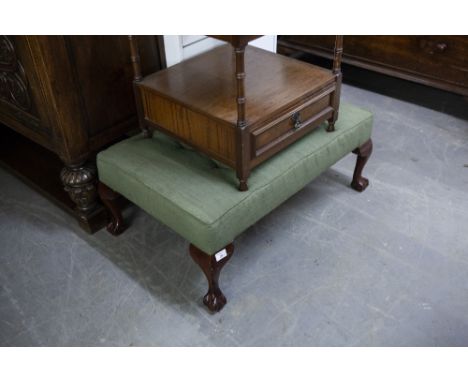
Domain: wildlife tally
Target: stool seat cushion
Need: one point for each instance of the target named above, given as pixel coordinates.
(198, 199)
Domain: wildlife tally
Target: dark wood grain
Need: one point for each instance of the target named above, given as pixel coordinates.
(73, 95)
(437, 61)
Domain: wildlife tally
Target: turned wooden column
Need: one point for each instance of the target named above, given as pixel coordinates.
(242, 135)
(335, 102)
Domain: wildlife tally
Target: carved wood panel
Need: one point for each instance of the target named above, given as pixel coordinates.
(13, 81)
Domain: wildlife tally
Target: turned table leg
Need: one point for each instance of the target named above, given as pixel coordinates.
(211, 266)
(109, 198)
(335, 96)
(363, 153)
(242, 132)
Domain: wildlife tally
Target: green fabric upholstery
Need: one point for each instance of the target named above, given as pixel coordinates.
(198, 199)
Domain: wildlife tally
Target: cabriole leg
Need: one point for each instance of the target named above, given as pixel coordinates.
(211, 266)
(363, 153)
(109, 198)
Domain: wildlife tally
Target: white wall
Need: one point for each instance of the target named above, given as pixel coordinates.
(179, 48)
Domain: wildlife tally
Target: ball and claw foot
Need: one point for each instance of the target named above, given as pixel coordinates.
(211, 266)
(214, 300)
(363, 152)
(360, 184)
(115, 227)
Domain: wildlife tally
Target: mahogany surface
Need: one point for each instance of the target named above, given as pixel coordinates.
(206, 83)
(239, 105)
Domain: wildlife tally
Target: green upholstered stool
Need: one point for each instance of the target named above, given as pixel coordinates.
(197, 197)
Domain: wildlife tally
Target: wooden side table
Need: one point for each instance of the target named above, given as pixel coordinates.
(238, 104)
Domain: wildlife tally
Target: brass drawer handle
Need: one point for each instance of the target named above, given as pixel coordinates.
(296, 120)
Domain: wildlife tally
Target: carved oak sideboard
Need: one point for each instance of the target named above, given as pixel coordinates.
(72, 95)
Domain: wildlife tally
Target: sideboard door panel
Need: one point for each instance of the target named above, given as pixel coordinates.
(21, 96)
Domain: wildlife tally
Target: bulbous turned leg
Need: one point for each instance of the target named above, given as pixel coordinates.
(79, 181)
(363, 153)
(211, 266)
(109, 198)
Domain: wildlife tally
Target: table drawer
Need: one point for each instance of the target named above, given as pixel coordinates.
(292, 125)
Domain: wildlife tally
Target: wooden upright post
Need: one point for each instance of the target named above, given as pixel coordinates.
(337, 55)
(137, 76)
(135, 58)
(242, 135)
(338, 52)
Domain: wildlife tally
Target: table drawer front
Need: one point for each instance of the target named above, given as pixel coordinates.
(295, 122)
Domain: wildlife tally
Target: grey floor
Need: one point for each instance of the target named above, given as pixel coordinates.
(329, 267)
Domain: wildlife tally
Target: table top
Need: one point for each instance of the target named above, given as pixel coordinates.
(207, 83)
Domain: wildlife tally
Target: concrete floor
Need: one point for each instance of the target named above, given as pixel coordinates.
(329, 267)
